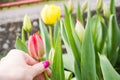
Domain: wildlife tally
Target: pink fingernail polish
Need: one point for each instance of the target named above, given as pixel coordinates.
(46, 63)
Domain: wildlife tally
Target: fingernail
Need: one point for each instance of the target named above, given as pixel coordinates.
(46, 63)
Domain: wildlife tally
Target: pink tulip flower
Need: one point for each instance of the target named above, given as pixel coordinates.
(35, 46)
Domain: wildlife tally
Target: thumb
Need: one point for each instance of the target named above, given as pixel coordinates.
(40, 67)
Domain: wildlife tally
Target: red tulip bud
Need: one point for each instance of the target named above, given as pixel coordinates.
(35, 46)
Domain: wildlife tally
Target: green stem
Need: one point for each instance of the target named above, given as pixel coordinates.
(98, 12)
(51, 37)
(46, 76)
(28, 34)
(23, 36)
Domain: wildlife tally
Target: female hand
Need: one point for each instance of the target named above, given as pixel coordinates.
(17, 65)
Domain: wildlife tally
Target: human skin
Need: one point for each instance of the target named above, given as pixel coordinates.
(17, 65)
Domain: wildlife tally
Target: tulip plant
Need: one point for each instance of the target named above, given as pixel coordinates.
(92, 46)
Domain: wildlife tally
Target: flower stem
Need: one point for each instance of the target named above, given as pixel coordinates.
(23, 36)
(46, 76)
(51, 37)
(28, 34)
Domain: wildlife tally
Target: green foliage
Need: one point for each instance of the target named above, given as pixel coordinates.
(20, 45)
(107, 69)
(45, 37)
(79, 14)
(113, 39)
(94, 58)
(100, 37)
(99, 32)
(57, 68)
(112, 7)
(68, 75)
(68, 61)
(56, 30)
(57, 64)
(88, 66)
(71, 41)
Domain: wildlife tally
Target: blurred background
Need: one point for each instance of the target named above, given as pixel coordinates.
(7, 1)
(13, 11)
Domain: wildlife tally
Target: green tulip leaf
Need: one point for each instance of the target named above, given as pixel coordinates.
(45, 37)
(113, 39)
(68, 60)
(108, 71)
(58, 67)
(68, 30)
(112, 7)
(68, 57)
(88, 66)
(75, 36)
(56, 29)
(64, 36)
(79, 14)
(68, 75)
(72, 43)
(74, 78)
(20, 45)
(99, 32)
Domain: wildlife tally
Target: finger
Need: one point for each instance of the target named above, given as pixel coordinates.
(29, 60)
(22, 55)
(48, 71)
(15, 54)
(39, 68)
(40, 77)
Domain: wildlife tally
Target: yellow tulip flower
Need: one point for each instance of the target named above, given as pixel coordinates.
(50, 14)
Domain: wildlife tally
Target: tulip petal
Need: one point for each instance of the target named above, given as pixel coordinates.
(40, 49)
(31, 47)
(35, 46)
(50, 14)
